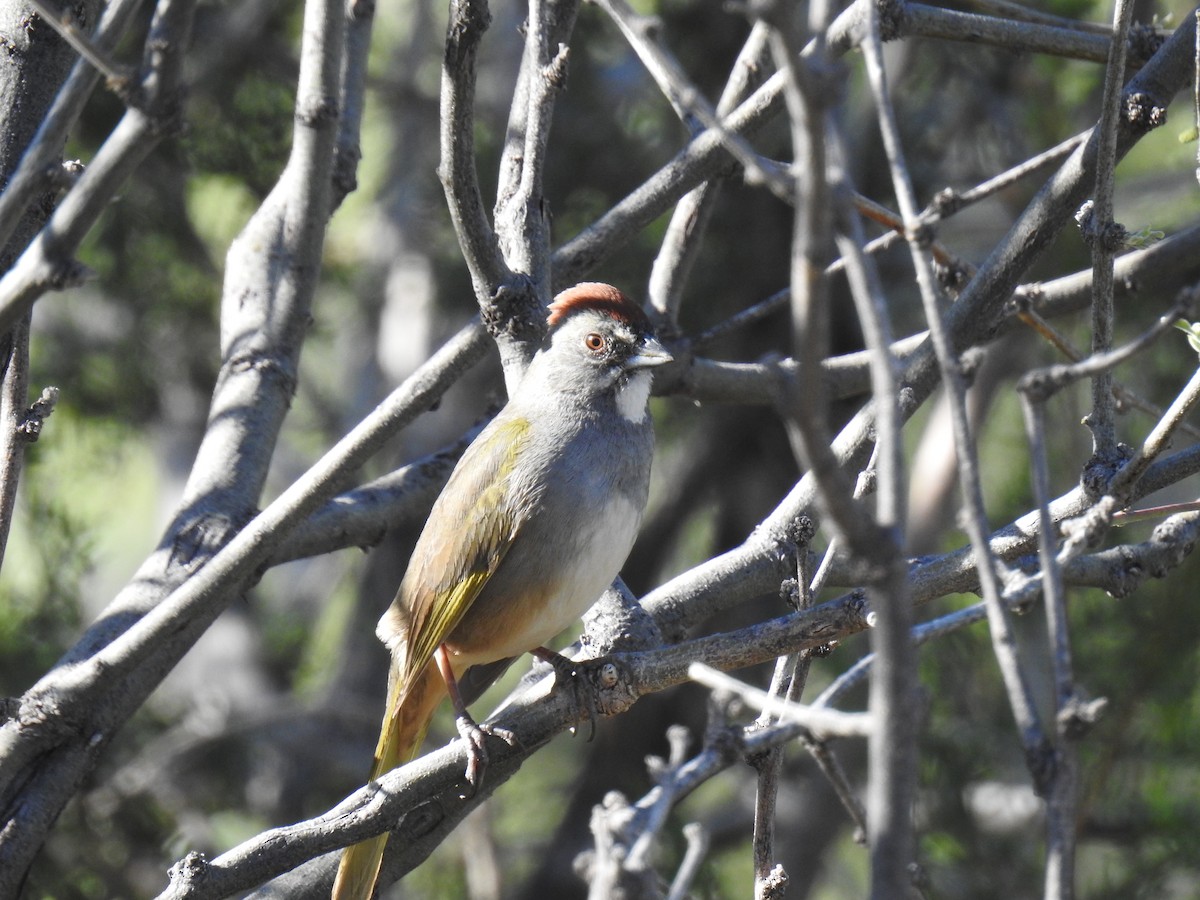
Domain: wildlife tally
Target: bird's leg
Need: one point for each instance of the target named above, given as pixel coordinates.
(567, 672)
(471, 732)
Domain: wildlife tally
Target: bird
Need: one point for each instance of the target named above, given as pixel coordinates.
(534, 523)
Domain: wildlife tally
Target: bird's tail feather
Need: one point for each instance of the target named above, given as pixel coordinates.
(405, 721)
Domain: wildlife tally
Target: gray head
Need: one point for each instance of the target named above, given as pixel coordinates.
(600, 343)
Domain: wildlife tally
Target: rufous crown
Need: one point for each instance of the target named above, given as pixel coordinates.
(601, 297)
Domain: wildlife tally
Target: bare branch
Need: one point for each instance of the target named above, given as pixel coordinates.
(64, 23)
(1044, 383)
(949, 201)
(1059, 787)
(41, 160)
(1029, 37)
(273, 311)
(697, 848)
(360, 16)
(1105, 236)
(14, 390)
(684, 238)
(521, 223)
(1159, 438)
(48, 263)
(821, 722)
(360, 517)
(457, 170)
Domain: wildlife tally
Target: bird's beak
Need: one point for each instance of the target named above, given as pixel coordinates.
(651, 353)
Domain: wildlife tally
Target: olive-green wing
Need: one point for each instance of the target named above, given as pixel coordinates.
(470, 529)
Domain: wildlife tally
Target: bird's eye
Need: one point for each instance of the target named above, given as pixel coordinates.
(595, 342)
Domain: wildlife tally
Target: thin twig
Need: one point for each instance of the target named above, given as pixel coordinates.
(1044, 383)
(360, 16)
(949, 201)
(1018, 12)
(768, 767)
(1196, 92)
(892, 757)
(682, 243)
(469, 19)
(42, 158)
(822, 723)
(892, 748)
(1061, 798)
(787, 686)
(1026, 37)
(521, 222)
(1106, 238)
(64, 23)
(14, 393)
(514, 310)
(1124, 396)
(48, 262)
(809, 296)
(1004, 643)
(696, 837)
(1158, 439)
(688, 101)
(1151, 513)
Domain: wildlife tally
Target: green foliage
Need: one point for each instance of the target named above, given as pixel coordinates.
(82, 470)
(39, 604)
(246, 135)
(1192, 330)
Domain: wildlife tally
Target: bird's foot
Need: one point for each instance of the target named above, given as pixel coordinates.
(570, 674)
(474, 736)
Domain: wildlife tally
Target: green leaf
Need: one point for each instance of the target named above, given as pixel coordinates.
(1143, 237)
(1192, 330)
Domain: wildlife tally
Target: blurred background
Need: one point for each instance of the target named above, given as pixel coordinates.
(273, 715)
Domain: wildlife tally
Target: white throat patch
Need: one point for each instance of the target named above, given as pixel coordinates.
(633, 396)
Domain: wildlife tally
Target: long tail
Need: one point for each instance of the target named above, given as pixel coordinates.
(405, 720)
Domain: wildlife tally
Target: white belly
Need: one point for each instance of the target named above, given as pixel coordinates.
(516, 614)
(603, 553)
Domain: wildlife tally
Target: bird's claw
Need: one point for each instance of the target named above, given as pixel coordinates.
(474, 736)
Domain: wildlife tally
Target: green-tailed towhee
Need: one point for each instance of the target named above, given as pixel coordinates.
(535, 522)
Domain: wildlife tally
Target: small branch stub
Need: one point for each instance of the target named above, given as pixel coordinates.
(774, 886)
(610, 686)
(1143, 113)
(556, 72)
(1111, 236)
(1077, 716)
(186, 874)
(30, 426)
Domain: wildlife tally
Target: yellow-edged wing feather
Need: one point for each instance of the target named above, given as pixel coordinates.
(470, 529)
